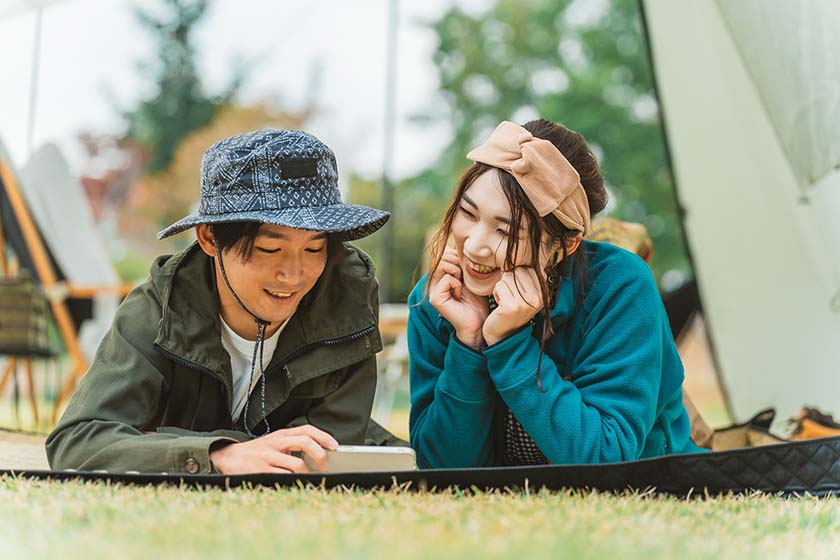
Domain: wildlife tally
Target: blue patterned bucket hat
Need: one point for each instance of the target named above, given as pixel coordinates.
(282, 177)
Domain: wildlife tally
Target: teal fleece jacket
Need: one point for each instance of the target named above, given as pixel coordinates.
(611, 376)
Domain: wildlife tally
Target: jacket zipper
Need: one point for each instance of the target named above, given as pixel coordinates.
(328, 342)
(187, 363)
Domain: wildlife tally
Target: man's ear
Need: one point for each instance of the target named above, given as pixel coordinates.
(205, 238)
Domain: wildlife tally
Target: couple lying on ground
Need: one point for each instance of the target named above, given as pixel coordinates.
(527, 343)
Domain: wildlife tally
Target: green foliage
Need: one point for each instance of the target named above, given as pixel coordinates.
(132, 268)
(418, 207)
(179, 103)
(563, 62)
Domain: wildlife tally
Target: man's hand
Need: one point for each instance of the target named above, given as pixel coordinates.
(455, 303)
(271, 453)
(519, 298)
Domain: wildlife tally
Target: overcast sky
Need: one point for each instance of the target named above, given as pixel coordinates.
(90, 48)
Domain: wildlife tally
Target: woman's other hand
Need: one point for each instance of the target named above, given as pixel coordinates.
(519, 298)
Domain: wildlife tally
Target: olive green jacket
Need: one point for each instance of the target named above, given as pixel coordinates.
(158, 393)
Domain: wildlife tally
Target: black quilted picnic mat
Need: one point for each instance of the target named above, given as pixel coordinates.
(795, 468)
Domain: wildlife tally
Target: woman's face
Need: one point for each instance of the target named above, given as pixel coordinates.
(481, 230)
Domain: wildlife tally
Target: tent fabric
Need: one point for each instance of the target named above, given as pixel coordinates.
(797, 468)
(65, 224)
(799, 42)
(62, 212)
(750, 126)
(59, 207)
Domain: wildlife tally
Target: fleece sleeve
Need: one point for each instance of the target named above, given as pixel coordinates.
(604, 414)
(452, 398)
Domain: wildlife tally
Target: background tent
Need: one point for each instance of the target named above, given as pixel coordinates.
(49, 228)
(62, 217)
(61, 210)
(750, 94)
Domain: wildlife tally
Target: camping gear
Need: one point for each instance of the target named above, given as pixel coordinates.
(814, 424)
(627, 235)
(24, 317)
(755, 432)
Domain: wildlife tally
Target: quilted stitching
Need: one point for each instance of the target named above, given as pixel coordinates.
(812, 466)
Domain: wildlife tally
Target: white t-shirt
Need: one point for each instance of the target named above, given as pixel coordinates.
(241, 351)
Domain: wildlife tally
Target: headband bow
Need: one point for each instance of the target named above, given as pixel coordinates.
(551, 183)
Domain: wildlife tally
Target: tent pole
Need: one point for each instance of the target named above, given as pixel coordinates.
(386, 236)
(33, 88)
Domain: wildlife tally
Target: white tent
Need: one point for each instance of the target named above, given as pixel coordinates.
(58, 207)
(62, 212)
(750, 95)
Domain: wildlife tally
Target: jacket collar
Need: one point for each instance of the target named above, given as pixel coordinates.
(338, 306)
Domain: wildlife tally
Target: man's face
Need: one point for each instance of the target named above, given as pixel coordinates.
(284, 265)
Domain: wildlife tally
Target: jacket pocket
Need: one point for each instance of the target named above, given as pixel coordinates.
(318, 387)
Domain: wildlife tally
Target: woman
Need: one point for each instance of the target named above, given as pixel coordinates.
(493, 382)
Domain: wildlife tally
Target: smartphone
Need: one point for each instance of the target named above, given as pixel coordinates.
(366, 458)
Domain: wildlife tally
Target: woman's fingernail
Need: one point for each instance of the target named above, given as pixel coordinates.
(333, 443)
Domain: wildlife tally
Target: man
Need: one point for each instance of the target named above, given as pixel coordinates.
(256, 342)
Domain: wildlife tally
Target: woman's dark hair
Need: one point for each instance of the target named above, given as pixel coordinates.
(573, 146)
(230, 234)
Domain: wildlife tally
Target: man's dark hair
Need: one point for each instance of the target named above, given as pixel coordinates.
(229, 234)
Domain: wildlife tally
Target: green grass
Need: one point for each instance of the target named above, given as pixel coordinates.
(75, 520)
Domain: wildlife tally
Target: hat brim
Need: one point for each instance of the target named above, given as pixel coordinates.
(351, 220)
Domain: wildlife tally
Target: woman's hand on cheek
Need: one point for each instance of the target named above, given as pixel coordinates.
(455, 303)
(519, 298)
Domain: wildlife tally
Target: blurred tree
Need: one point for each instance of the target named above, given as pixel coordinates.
(582, 63)
(419, 206)
(178, 104)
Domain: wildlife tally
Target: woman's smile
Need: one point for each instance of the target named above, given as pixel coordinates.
(479, 271)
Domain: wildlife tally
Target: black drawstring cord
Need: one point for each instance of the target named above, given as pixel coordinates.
(236, 297)
(258, 346)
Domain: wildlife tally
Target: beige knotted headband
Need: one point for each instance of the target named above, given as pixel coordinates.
(551, 183)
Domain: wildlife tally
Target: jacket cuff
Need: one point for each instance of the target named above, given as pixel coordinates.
(192, 454)
(514, 359)
(464, 373)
